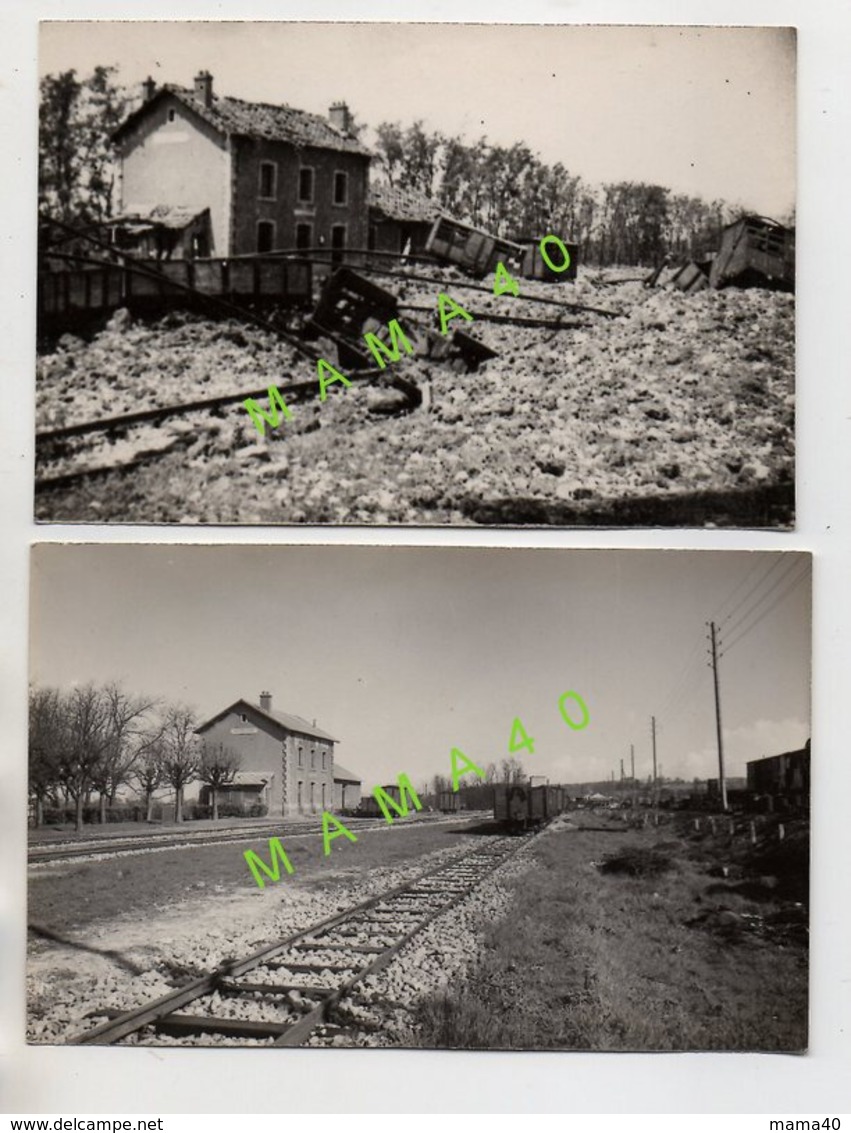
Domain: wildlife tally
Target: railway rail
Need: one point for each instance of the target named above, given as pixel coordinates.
(141, 844)
(295, 985)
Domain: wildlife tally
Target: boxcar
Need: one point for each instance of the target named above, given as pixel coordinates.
(469, 248)
(757, 252)
(449, 802)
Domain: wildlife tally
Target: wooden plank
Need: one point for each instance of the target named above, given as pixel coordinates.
(212, 1025)
(235, 987)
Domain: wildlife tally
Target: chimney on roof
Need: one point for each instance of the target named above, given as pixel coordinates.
(204, 88)
(266, 701)
(340, 118)
(149, 89)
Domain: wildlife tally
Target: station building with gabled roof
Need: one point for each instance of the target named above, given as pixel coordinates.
(272, 176)
(286, 762)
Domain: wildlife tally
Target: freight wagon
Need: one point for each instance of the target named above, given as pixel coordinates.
(755, 252)
(449, 802)
(519, 806)
(471, 249)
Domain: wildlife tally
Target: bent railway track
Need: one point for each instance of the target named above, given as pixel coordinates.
(298, 983)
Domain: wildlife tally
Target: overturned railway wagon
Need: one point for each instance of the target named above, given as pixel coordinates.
(755, 252)
(519, 806)
(470, 248)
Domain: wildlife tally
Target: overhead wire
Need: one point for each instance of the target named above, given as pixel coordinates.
(789, 569)
(777, 562)
(793, 585)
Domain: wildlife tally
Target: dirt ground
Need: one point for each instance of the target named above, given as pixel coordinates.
(678, 396)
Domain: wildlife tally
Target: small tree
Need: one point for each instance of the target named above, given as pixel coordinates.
(218, 768)
(149, 773)
(181, 755)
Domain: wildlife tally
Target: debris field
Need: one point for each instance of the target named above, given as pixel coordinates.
(680, 394)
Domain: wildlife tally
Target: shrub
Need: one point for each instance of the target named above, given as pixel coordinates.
(637, 861)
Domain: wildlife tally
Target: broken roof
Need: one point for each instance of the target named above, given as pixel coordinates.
(237, 118)
(167, 216)
(400, 203)
(284, 720)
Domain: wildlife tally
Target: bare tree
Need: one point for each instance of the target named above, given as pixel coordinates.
(127, 716)
(218, 768)
(87, 739)
(148, 772)
(181, 756)
(47, 740)
(491, 774)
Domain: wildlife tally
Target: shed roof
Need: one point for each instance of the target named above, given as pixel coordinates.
(343, 775)
(250, 779)
(236, 117)
(168, 216)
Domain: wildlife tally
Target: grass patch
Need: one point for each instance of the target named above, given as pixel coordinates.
(638, 861)
(629, 951)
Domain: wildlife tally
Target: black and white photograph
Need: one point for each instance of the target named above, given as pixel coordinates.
(416, 274)
(435, 798)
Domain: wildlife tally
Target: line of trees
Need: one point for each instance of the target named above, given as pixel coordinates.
(507, 190)
(93, 741)
(510, 191)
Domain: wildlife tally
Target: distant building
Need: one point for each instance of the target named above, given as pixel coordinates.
(286, 762)
(272, 177)
(784, 776)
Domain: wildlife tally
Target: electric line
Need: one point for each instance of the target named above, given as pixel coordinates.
(780, 598)
(756, 565)
(777, 562)
(792, 567)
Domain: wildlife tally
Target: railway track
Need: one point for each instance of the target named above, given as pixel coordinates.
(295, 985)
(104, 847)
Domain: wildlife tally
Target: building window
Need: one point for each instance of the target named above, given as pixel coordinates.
(323, 796)
(338, 242)
(301, 757)
(323, 760)
(312, 760)
(268, 179)
(171, 115)
(313, 798)
(300, 799)
(265, 235)
(341, 188)
(243, 718)
(305, 184)
(303, 236)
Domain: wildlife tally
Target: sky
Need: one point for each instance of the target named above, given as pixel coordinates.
(706, 111)
(404, 653)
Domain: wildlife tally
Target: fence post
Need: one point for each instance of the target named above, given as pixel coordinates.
(753, 833)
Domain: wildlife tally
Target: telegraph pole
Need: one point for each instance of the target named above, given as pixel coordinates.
(632, 761)
(655, 780)
(722, 782)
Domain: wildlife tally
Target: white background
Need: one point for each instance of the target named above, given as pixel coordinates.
(148, 1081)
